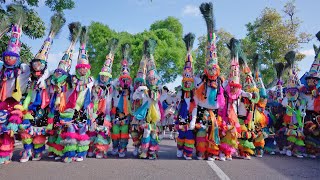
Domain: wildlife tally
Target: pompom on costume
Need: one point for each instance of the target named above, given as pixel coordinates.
(137, 104)
(187, 108)
(102, 94)
(209, 95)
(77, 115)
(38, 99)
(60, 89)
(122, 107)
(260, 118)
(230, 127)
(149, 111)
(246, 112)
(311, 93)
(293, 120)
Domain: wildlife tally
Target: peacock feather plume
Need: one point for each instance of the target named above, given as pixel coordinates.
(189, 40)
(279, 69)
(57, 21)
(207, 12)
(125, 48)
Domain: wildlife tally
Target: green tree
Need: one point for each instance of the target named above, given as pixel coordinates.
(169, 54)
(33, 26)
(272, 36)
(223, 53)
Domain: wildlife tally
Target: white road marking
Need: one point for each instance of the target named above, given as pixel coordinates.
(218, 171)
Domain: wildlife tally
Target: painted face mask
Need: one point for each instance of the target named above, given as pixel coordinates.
(104, 79)
(37, 66)
(187, 84)
(312, 82)
(10, 60)
(82, 71)
(292, 94)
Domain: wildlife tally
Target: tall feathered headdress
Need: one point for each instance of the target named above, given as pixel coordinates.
(83, 61)
(57, 21)
(212, 70)
(66, 60)
(258, 78)
(153, 79)
(234, 76)
(125, 79)
(314, 71)
(18, 16)
(142, 71)
(188, 67)
(107, 66)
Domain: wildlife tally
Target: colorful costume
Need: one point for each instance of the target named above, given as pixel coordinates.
(230, 124)
(149, 112)
(293, 119)
(60, 90)
(187, 109)
(100, 137)
(246, 112)
(122, 107)
(37, 99)
(77, 115)
(209, 95)
(311, 93)
(14, 77)
(140, 80)
(260, 118)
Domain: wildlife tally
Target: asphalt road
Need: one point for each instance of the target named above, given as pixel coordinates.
(166, 167)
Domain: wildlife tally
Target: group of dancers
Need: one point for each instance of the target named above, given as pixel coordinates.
(78, 116)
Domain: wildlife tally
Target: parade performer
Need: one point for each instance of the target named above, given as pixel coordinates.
(209, 95)
(60, 89)
(167, 100)
(149, 112)
(14, 74)
(233, 91)
(311, 93)
(187, 109)
(79, 108)
(260, 118)
(246, 113)
(100, 137)
(122, 107)
(140, 80)
(275, 112)
(14, 77)
(37, 99)
(295, 112)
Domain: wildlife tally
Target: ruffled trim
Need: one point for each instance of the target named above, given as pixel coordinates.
(83, 137)
(69, 135)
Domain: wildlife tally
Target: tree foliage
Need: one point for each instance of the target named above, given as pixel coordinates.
(271, 36)
(169, 54)
(33, 27)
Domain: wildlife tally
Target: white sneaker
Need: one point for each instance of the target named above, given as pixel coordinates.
(199, 158)
(272, 153)
(90, 154)
(312, 156)
(171, 137)
(114, 151)
(299, 155)
(288, 153)
(122, 155)
(222, 157)
(229, 158)
(23, 160)
(187, 157)
(50, 155)
(135, 152)
(211, 158)
(99, 156)
(179, 153)
(79, 159)
(57, 158)
(246, 157)
(283, 151)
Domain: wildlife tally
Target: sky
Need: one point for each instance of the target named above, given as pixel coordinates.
(136, 16)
